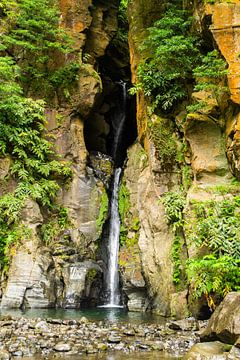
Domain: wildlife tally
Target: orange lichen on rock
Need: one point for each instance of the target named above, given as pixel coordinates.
(226, 31)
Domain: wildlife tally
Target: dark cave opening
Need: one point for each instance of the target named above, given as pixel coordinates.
(101, 126)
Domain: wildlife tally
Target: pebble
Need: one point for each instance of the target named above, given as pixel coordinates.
(24, 337)
(62, 347)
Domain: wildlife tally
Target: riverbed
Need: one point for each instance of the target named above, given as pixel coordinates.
(104, 334)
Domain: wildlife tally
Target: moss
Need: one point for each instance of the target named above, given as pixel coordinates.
(161, 133)
(130, 225)
(123, 201)
(9, 241)
(91, 274)
(103, 211)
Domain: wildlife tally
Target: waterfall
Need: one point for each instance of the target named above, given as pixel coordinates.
(112, 276)
(113, 245)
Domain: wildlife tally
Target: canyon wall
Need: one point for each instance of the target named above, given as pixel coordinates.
(68, 271)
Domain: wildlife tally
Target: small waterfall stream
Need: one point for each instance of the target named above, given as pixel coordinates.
(113, 245)
(113, 292)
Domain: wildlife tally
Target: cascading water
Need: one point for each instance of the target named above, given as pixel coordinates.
(113, 292)
(113, 245)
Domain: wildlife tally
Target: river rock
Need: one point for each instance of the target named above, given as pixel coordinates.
(115, 339)
(234, 353)
(4, 355)
(184, 324)
(224, 324)
(62, 347)
(207, 351)
(42, 325)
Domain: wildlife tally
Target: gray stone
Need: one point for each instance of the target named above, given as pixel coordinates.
(207, 351)
(78, 279)
(234, 353)
(42, 325)
(224, 324)
(115, 339)
(184, 324)
(62, 347)
(4, 355)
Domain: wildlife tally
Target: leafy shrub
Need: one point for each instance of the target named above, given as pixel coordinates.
(161, 133)
(174, 203)
(172, 53)
(216, 231)
(210, 76)
(213, 275)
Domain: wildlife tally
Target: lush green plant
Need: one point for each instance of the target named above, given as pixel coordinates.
(103, 212)
(9, 239)
(172, 53)
(22, 121)
(212, 275)
(176, 259)
(215, 231)
(217, 227)
(210, 76)
(174, 203)
(161, 133)
(51, 230)
(33, 37)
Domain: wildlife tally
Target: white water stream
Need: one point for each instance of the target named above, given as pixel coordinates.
(114, 298)
(113, 245)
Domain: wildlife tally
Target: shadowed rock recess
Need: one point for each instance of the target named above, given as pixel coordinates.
(187, 159)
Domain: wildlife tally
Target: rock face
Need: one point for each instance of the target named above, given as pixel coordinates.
(155, 237)
(226, 31)
(31, 276)
(212, 139)
(79, 281)
(225, 322)
(207, 351)
(43, 275)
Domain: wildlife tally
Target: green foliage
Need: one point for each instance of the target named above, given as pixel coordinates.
(172, 53)
(123, 201)
(103, 212)
(8, 242)
(186, 177)
(22, 120)
(161, 133)
(210, 76)
(34, 36)
(217, 227)
(215, 231)
(130, 225)
(51, 230)
(214, 275)
(176, 258)
(174, 203)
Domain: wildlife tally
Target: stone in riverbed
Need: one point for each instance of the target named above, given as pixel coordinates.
(4, 355)
(224, 324)
(234, 354)
(184, 324)
(114, 339)
(214, 350)
(62, 347)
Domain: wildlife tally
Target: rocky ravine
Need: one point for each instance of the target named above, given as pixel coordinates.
(24, 337)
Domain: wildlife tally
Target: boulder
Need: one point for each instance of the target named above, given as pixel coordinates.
(224, 324)
(207, 351)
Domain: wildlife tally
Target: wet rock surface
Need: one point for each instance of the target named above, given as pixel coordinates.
(224, 324)
(27, 337)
